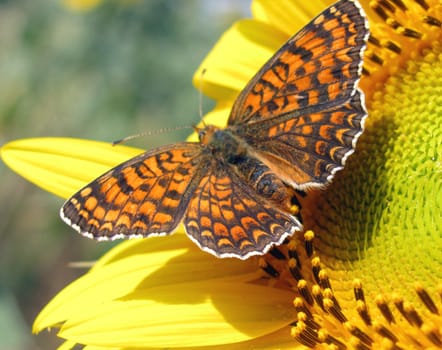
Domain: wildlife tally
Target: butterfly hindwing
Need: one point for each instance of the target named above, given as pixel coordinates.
(307, 151)
(226, 217)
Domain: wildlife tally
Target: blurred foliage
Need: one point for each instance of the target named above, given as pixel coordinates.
(122, 68)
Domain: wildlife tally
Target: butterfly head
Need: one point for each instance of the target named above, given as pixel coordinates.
(206, 133)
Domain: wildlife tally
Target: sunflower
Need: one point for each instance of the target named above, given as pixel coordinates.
(366, 273)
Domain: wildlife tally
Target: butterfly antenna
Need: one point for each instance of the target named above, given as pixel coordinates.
(81, 264)
(200, 102)
(163, 130)
(149, 133)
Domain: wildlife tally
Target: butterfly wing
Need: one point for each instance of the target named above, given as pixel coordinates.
(307, 151)
(317, 69)
(227, 217)
(144, 196)
(302, 113)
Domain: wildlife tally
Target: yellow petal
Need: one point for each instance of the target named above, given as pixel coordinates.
(63, 165)
(138, 297)
(127, 265)
(188, 310)
(287, 15)
(67, 345)
(81, 5)
(246, 46)
(93, 347)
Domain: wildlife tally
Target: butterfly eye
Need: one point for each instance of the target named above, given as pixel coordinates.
(202, 134)
(207, 134)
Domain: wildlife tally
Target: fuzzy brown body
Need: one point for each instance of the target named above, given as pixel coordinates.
(236, 155)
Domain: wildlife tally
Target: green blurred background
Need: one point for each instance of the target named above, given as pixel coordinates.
(115, 70)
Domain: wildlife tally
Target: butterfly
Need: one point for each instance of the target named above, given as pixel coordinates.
(291, 129)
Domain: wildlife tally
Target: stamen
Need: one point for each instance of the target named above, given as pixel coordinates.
(379, 11)
(299, 305)
(432, 335)
(294, 270)
(399, 303)
(358, 345)
(328, 293)
(373, 40)
(308, 237)
(362, 310)
(381, 7)
(304, 291)
(311, 333)
(317, 295)
(302, 334)
(411, 33)
(316, 267)
(432, 21)
(385, 332)
(410, 26)
(331, 307)
(292, 252)
(414, 316)
(268, 268)
(324, 281)
(294, 209)
(384, 309)
(393, 23)
(314, 326)
(324, 337)
(277, 253)
(365, 71)
(357, 289)
(423, 4)
(358, 333)
(426, 299)
(385, 4)
(375, 58)
(309, 321)
(392, 47)
(400, 4)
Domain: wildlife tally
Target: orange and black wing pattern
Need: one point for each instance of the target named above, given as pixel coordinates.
(147, 195)
(316, 69)
(226, 217)
(303, 113)
(307, 151)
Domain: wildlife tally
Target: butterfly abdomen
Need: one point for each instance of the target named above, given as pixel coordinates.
(265, 182)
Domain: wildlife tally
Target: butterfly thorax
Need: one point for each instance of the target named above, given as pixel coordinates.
(232, 153)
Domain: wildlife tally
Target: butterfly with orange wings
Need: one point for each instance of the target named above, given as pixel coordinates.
(291, 129)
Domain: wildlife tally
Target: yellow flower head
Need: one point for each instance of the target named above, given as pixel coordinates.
(366, 273)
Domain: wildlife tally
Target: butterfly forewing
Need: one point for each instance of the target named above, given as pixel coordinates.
(318, 68)
(147, 195)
